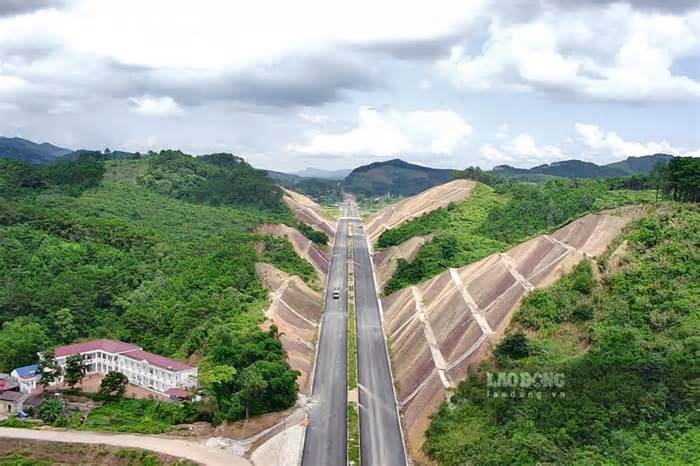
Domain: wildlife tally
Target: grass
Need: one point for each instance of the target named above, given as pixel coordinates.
(332, 210)
(353, 417)
(353, 434)
(139, 416)
(352, 330)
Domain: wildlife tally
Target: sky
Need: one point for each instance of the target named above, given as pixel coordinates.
(329, 84)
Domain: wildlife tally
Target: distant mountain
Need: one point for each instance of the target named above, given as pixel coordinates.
(285, 179)
(30, 152)
(643, 164)
(394, 176)
(581, 169)
(324, 174)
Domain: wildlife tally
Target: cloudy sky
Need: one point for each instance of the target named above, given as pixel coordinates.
(335, 84)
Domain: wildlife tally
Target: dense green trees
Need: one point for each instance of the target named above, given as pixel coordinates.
(75, 370)
(144, 256)
(113, 385)
(680, 179)
(52, 411)
(20, 340)
(217, 179)
(630, 369)
(316, 236)
(48, 369)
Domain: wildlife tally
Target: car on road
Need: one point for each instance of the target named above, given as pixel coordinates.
(336, 293)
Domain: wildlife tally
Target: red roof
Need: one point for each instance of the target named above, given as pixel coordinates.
(177, 393)
(157, 360)
(108, 346)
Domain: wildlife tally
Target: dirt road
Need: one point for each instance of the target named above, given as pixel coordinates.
(175, 447)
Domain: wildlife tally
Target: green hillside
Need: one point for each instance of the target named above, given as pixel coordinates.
(396, 177)
(30, 152)
(158, 252)
(494, 219)
(624, 348)
(580, 169)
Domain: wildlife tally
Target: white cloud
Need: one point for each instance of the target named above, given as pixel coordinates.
(156, 106)
(522, 151)
(599, 143)
(393, 133)
(313, 118)
(615, 53)
(10, 83)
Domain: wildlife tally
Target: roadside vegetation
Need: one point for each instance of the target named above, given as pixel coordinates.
(353, 408)
(495, 218)
(626, 345)
(157, 251)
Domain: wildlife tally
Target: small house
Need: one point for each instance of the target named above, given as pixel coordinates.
(26, 377)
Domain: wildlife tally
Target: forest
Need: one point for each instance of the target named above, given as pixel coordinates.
(157, 251)
(623, 335)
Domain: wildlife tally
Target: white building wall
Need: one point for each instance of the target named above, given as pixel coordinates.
(139, 373)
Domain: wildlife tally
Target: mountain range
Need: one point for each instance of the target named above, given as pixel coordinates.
(396, 176)
(30, 152)
(581, 169)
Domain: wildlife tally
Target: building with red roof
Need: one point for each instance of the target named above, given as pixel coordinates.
(144, 369)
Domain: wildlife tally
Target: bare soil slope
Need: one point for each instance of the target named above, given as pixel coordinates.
(20, 451)
(296, 310)
(303, 246)
(309, 212)
(438, 329)
(386, 260)
(415, 206)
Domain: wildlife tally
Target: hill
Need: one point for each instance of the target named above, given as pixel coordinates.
(30, 152)
(494, 219)
(158, 251)
(635, 165)
(581, 169)
(394, 176)
(620, 333)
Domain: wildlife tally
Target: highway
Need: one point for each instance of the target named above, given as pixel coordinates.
(326, 434)
(381, 441)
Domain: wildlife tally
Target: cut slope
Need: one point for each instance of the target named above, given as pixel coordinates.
(307, 211)
(439, 329)
(295, 309)
(386, 260)
(303, 246)
(415, 206)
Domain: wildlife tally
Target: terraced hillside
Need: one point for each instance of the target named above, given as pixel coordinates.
(620, 332)
(295, 309)
(495, 219)
(441, 328)
(413, 207)
(307, 211)
(304, 247)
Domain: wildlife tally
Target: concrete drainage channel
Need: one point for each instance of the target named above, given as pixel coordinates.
(353, 411)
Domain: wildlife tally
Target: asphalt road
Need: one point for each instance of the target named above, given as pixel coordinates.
(381, 442)
(326, 435)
